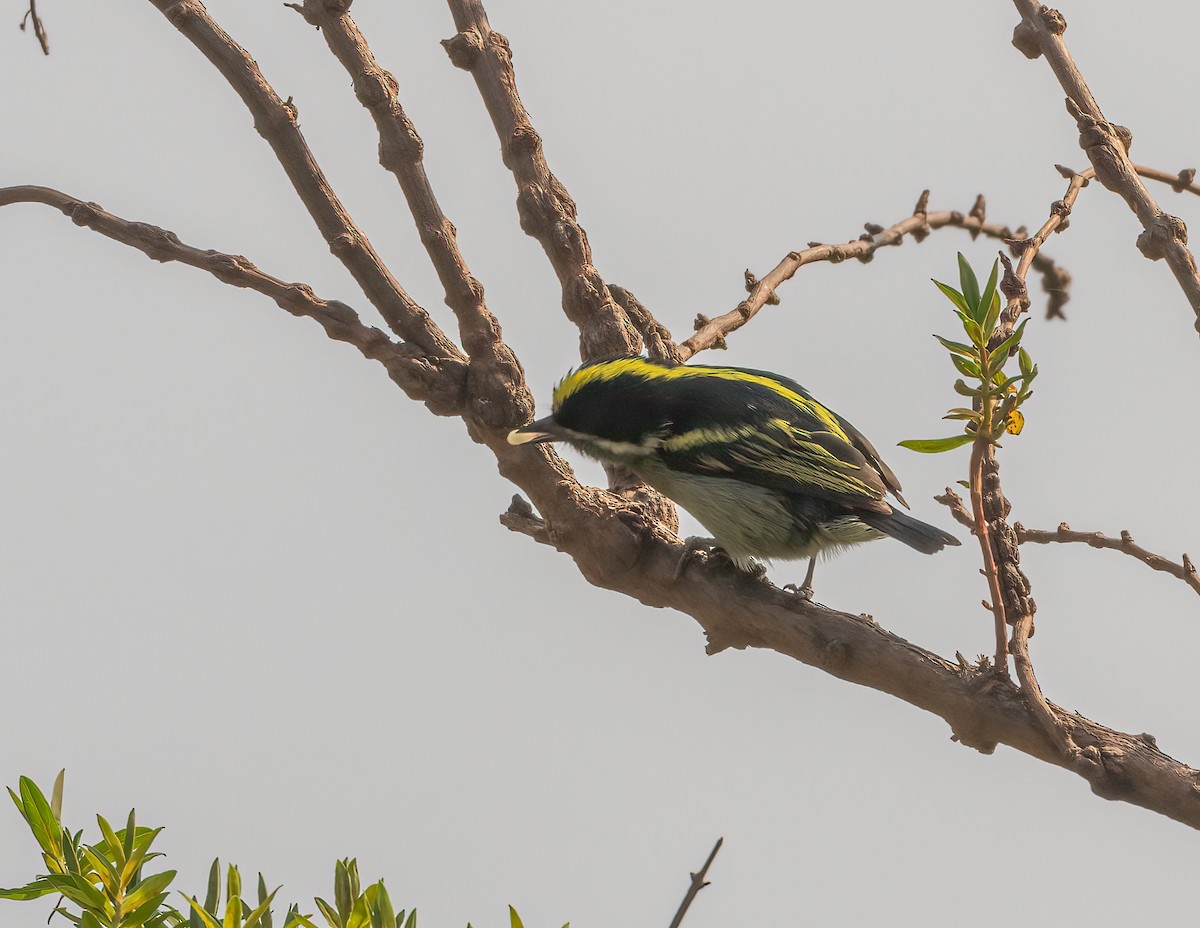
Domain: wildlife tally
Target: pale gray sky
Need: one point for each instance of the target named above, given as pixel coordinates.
(252, 589)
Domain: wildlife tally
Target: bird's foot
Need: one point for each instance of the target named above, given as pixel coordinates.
(693, 547)
(805, 592)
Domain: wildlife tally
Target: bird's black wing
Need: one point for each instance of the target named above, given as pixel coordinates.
(783, 439)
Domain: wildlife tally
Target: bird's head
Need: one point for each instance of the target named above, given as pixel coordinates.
(613, 410)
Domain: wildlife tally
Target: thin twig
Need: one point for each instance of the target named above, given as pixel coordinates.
(275, 121)
(1040, 32)
(39, 28)
(499, 395)
(1125, 544)
(546, 209)
(957, 507)
(439, 383)
(711, 333)
(698, 883)
(1029, 250)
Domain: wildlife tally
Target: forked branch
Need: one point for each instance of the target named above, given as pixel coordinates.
(275, 121)
(439, 383)
(1040, 32)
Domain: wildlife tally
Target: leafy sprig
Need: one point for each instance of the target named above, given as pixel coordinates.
(996, 395)
(105, 883)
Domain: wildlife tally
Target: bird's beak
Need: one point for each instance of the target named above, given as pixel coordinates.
(535, 432)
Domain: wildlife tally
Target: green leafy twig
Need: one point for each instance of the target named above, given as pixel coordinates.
(996, 399)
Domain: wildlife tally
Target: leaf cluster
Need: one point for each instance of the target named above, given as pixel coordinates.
(106, 885)
(996, 395)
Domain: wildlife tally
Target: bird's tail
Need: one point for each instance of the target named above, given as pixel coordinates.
(913, 532)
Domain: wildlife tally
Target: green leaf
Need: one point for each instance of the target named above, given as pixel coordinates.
(412, 919)
(263, 895)
(969, 415)
(137, 856)
(953, 296)
(213, 897)
(113, 847)
(108, 875)
(1005, 347)
(151, 886)
(965, 367)
(967, 351)
(382, 913)
(206, 920)
(971, 327)
(129, 834)
(88, 920)
(295, 918)
(342, 896)
(57, 794)
(514, 919)
(233, 885)
(42, 821)
(936, 445)
(989, 295)
(962, 389)
(1025, 362)
(329, 912)
(992, 316)
(78, 890)
(261, 911)
(34, 890)
(970, 287)
(140, 915)
(360, 914)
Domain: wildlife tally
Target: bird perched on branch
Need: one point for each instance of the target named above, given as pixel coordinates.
(768, 470)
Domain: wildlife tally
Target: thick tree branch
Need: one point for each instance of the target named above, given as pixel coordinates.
(1125, 544)
(275, 121)
(497, 390)
(438, 382)
(711, 333)
(1040, 32)
(617, 549)
(545, 207)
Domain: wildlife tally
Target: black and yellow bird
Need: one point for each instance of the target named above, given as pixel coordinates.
(764, 467)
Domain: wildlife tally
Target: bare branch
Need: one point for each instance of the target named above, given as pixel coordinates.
(698, 883)
(1040, 33)
(546, 210)
(499, 395)
(275, 121)
(1125, 544)
(711, 333)
(439, 382)
(615, 548)
(39, 28)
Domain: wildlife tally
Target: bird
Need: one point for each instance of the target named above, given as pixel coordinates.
(769, 471)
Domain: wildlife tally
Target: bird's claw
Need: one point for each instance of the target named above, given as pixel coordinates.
(695, 545)
(804, 592)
